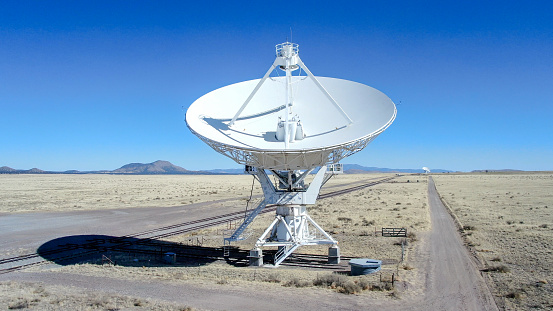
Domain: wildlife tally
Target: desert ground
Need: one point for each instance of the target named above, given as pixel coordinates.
(508, 221)
(27, 193)
(139, 202)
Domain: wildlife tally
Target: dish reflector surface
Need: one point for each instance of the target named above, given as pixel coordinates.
(251, 140)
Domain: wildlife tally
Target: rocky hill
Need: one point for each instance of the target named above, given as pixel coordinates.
(7, 170)
(157, 167)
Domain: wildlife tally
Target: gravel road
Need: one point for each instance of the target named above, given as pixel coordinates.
(25, 232)
(453, 280)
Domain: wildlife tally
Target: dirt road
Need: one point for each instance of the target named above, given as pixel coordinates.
(450, 279)
(453, 281)
(25, 232)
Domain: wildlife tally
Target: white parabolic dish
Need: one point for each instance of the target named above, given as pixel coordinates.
(328, 136)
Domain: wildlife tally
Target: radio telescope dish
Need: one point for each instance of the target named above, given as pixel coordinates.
(426, 170)
(290, 125)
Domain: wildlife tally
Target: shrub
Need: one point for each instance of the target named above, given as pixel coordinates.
(345, 219)
(363, 284)
(332, 280)
(394, 294)
(405, 242)
(388, 286)
(273, 278)
(501, 269)
(514, 295)
(469, 227)
(412, 237)
(349, 287)
(20, 304)
(344, 285)
(368, 222)
(296, 283)
(137, 303)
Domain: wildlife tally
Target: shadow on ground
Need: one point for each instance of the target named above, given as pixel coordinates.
(129, 251)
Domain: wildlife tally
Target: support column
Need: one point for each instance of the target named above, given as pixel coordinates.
(256, 257)
(334, 255)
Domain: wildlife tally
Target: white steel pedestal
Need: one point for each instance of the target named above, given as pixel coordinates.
(291, 229)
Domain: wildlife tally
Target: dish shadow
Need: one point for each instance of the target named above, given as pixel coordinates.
(130, 251)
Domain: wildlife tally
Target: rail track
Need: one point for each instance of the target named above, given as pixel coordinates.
(147, 243)
(351, 189)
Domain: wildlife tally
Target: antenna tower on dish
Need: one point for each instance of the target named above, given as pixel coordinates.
(289, 126)
(288, 60)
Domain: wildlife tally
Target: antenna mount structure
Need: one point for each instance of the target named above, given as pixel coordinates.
(239, 121)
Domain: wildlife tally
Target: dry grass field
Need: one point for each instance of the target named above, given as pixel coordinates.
(352, 219)
(508, 219)
(25, 296)
(26, 193)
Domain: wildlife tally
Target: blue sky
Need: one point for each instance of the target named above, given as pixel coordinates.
(92, 85)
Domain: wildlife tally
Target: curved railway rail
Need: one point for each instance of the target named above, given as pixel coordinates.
(351, 189)
(148, 240)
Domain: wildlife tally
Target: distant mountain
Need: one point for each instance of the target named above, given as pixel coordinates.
(72, 172)
(157, 167)
(496, 171)
(167, 168)
(359, 169)
(7, 170)
(35, 170)
(230, 171)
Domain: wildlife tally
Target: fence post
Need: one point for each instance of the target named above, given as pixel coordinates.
(402, 249)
